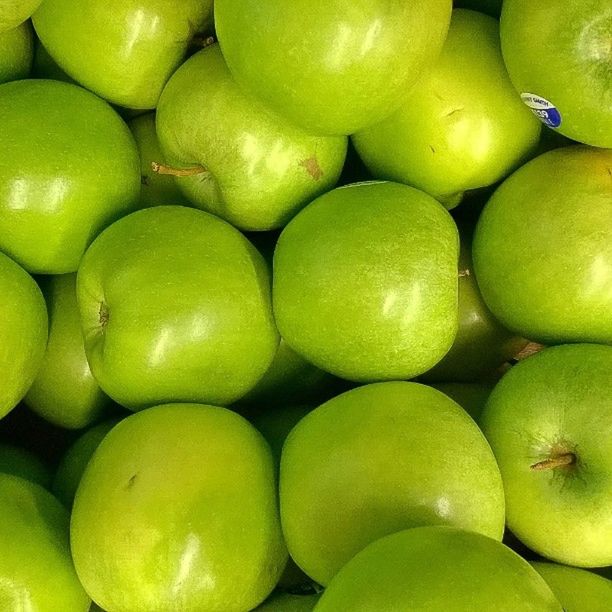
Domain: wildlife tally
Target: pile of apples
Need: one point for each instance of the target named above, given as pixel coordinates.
(305, 305)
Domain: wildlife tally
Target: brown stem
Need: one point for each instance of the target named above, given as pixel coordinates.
(555, 462)
(170, 171)
(531, 349)
(203, 41)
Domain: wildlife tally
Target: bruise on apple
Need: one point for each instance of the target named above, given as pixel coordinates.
(311, 165)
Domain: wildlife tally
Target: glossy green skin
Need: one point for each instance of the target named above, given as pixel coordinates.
(64, 391)
(157, 189)
(543, 248)
(73, 463)
(16, 53)
(560, 50)
(557, 401)
(70, 167)
(381, 458)
(577, 590)
(437, 568)
(482, 343)
(472, 397)
(20, 462)
(124, 51)
(462, 126)
(365, 282)
(35, 566)
(341, 66)
(15, 12)
(261, 169)
(23, 332)
(286, 602)
(186, 299)
(186, 514)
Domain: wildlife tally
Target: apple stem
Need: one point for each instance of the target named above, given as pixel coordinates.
(531, 349)
(554, 462)
(465, 272)
(170, 171)
(203, 41)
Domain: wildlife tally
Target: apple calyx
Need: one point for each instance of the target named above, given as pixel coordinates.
(170, 171)
(103, 315)
(561, 460)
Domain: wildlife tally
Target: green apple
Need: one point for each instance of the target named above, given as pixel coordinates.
(185, 508)
(70, 167)
(558, 57)
(287, 602)
(15, 12)
(549, 422)
(175, 306)
(378, 459)
(437, 568)
(472, 397)
(482, 343)
(36, 569)
(124, 51)
(365, 282)
(16, 53)
(462, 126)
(75, 460)
(543, 248)
(64, 391)
(256, 169)
(578, 590)
(23, 332)
(330, 66)
(25, 464)
(157, 189)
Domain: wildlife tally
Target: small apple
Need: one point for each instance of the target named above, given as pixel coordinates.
(25, 464)
(378, 459)
(328, 66)
(549, 423)
(365, 282)
(15, 12)
(184, 509)
(16, 53)
(437, 568)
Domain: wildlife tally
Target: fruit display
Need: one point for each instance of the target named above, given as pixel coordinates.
(305, 306)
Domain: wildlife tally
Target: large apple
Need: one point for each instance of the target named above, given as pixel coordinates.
(256, 169)
(549, 422)
(178, 504)
(175, 306)
(64, 391)
(124, 51)
(36, 569)
(23, 332)
(437, 568)
(15, 12)
(462, 126)
(543, 248)
(330, 66)
(69, 168)
(16, 53)
(381, 458)
(365, 282)
(558, 56)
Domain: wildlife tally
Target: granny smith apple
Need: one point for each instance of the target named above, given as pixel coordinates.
(256, 170)
(365, 282)
(184, 500)
(15, 12)
(543, 248)
(437, 568)
(16, 53)
(25, 464)
(70, 167)
(462, 126)
(157, 189)
(330, 66)
(558, 56)
(36, 569)
(23, 332)
(287, 602)
(549, 422)
(578, 590)
(123, 50)
(175, 306)
(472, 397)
(64, 391)
(378, 459)
(75, 460)
(482, 343)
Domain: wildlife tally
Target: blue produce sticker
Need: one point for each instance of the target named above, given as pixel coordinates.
(544, 110)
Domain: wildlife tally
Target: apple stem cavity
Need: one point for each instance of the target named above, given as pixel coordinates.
(554, 462)
(103, 315)
(170, 171)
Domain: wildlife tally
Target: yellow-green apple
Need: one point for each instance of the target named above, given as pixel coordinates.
(15, 12)
(16, 53)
